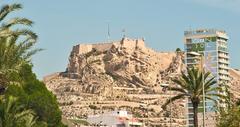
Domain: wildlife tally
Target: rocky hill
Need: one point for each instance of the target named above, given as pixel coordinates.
(235, 83)
(120, 75)
(117, 75)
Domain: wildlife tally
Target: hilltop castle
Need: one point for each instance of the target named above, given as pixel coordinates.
(124, 43)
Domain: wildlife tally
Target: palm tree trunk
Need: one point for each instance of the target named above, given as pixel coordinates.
(2, 89)
(195, 114)
(3, 82)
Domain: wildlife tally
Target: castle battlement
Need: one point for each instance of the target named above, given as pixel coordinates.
(125, 42)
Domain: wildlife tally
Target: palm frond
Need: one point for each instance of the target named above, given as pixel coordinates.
(187, 82)
(177, 90)
(210, 83)
(30, 120)
(6, 9)
(212, 99)
(221, 96)
(13, 114)
(192, 78)
(181, 83)
(29, 54)
(17, 33)
(199, 82)
(179, 96)
(14, 54)
(191, 85)
(25, 32)
(24, 114)
(214, 89)
(17, 21)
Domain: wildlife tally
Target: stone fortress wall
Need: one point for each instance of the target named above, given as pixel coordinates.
(125, 43)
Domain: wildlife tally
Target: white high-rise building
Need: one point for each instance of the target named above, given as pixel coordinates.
(212, 44)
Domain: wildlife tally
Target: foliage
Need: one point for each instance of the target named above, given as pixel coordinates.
(93, 107)
(137, 114)
(229, 117)
(16, 45)
(17, 79)
(13, 114)
(35, 95)
(191, 86)
(178, 50)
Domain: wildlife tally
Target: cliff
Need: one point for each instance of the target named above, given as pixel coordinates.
(128, 61)
(235, 83)
(118, 75)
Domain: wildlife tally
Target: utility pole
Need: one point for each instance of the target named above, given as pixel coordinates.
(203, 87)
(165, 87)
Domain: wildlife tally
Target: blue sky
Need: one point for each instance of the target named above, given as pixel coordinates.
(61, 24)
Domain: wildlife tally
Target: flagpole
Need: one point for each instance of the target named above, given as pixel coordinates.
(108, 36)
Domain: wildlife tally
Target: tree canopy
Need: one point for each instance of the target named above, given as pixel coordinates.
(24, 101)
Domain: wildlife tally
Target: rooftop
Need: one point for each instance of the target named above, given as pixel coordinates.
(201, 31)
(205, 32)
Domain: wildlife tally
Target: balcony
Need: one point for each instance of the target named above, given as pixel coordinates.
(223, 66)
(224, 78)
(223, 56)
(223, 49)
(224, 72)
(223, 61)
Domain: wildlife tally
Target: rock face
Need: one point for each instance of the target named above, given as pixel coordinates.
(121, 75)
(127, 63)
(235, 83)
(118, 75)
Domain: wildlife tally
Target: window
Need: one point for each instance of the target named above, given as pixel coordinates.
(190, 115)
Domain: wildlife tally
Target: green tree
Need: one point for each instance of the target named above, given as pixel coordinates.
(34, 94)
(16, 49)
(16, 44)
(14, 115)
(229, 117)
(178, 50)
(191, 86)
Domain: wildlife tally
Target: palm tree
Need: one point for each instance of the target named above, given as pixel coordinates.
(5, 29)
(190, 86)
(14, 115)
(15, 44)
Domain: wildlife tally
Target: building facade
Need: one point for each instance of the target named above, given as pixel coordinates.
(114, 119)
(211, 44)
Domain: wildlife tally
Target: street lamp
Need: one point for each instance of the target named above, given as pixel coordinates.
(203, 87)
(165, 87)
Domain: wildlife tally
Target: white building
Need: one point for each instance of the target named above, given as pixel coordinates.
(114, 119)
(212, 44)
